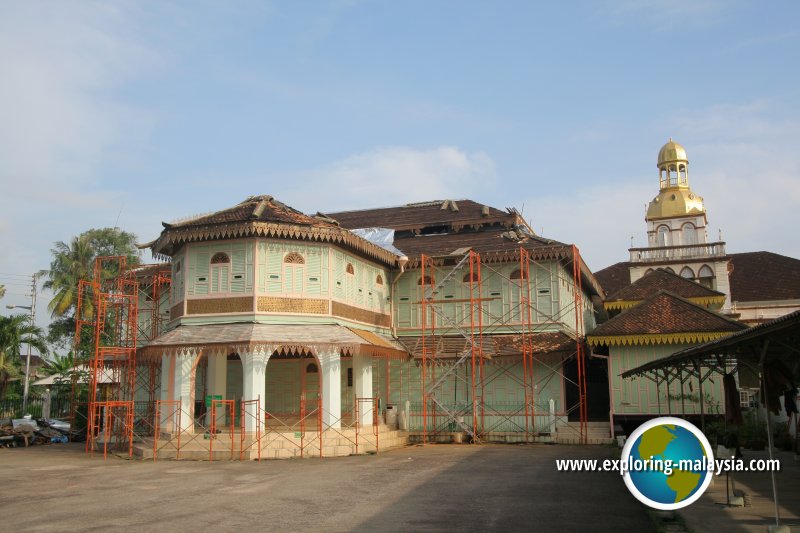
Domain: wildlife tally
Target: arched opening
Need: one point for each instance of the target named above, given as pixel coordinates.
(673, 176)
(218, 377)
(471, 277)
(682, 177)
(294, 273)
(220, 272)
(687, 273)
(689, 233)
(668, 269)
(663, 236)
(705, 276)
(293, 388)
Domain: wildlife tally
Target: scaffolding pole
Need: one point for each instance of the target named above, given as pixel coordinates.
(522, 319)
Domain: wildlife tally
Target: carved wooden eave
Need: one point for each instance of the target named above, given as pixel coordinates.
(174, 237)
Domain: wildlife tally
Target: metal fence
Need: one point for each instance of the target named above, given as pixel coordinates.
(60, 407)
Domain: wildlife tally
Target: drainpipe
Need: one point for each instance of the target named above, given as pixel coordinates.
(401, 262)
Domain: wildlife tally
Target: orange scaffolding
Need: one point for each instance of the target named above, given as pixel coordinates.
(477, 326)
(108, 330)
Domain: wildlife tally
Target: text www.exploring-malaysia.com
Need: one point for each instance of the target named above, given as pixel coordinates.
(667, 465)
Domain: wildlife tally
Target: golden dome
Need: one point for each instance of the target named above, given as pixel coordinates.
(671, 152)
(675, 203)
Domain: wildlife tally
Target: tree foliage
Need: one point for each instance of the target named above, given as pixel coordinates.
(75, 261)
(16, 331)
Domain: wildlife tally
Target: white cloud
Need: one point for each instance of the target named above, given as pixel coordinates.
(599, 219)
(742, 161)
(61, 119)
(390, 176)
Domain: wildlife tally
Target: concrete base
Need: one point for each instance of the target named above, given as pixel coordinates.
(273, 444)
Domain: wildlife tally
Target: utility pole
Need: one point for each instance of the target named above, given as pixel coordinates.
(28, 358)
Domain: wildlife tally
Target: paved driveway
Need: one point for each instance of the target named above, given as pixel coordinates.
(430, 488)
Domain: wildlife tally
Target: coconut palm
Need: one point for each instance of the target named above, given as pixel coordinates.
(14, 332)
(75, 261)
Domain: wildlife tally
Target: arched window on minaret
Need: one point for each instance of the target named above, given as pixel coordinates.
(683, 177)
(663, 236)
(689, 232)
(706, 276)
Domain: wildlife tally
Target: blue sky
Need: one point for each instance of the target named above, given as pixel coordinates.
(131, 113)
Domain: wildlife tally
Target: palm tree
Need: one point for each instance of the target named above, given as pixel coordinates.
(60, 364)
(75, 261)
(2, 290)
(14, 332)
(71, 263)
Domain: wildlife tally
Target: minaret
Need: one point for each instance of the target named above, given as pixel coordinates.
(677, 215)
(677, 235)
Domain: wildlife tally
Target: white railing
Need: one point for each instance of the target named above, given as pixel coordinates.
(669, 253)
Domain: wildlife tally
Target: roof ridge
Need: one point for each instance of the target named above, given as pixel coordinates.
(691, 303)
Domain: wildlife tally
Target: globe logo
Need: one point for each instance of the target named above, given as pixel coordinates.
(665, 463)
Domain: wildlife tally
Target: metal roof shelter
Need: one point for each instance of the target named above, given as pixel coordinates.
(772, 343)
(776, 340)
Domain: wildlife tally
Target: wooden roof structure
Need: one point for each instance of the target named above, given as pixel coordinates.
(664, 318)
(262, 216)
(661, 279)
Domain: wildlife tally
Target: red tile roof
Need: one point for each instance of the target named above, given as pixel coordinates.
(661, 279)
(756, 276)
(665, 313)
(614, 277)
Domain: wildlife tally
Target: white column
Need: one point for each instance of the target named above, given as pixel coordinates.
(184, 385)
(165, 392)
(331, 368)
(254, 369)
(362, 385)
(216, 382)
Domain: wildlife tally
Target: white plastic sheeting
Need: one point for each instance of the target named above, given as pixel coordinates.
(383, 237)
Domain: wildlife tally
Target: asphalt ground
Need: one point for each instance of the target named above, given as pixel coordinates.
(420, 488)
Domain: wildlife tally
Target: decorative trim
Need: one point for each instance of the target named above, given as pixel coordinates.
(361, 315)
(655, 338)
(311, 306)
(699, 300)
(244, 348)
(175, 236)
(220, 258)
(294, 258)
(210, 306)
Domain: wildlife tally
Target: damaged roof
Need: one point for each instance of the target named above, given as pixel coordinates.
(420, 215)
(261, 216)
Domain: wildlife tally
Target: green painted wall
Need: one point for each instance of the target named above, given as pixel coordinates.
(236, 277)
(638, 395)
(550, 293)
